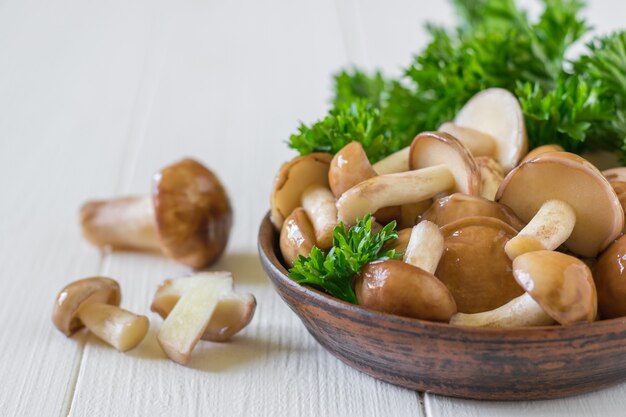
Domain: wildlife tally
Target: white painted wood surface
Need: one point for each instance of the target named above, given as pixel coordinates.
(97, 96)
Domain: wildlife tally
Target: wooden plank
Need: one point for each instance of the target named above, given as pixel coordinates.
(65, 116)
(235, 82)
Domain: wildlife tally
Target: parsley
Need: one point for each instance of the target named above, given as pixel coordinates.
(355, 85)
(352, 249)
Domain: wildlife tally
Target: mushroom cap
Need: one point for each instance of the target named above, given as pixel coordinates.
(553, 147)
(458, 206)
(292, 179)
(193, 213)
(399, 244)
(497, 112)
(615, 174)
(349, 167)
(439, 148)
(474, 265)
(569, 178)
(609, 275)
(399, 288)
(297, 236)
(561, 284)
(72, 296)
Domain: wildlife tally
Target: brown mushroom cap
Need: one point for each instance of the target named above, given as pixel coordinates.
(542, 149)
(297, 236)
(609, 274)
(292, 179)
(615, 174)
(439, 148)
(561, 284)
(399, 288)
(475, 267)
(349, 167)
(94, 290)
(193, 213)
(571, 179)
(458, 206)
(497, 112)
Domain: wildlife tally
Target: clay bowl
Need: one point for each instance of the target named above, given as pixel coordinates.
(491, 364)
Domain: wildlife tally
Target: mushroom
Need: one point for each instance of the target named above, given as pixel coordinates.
(408, 289)
(553, 147)
(474, 266)
(609, 274)
(297, 236)
(491, 176)
(439, 163)
(558, 287)
(559, 195)
(617, 179)
(188, 217)
(492, 124)
(303, 182)
(458, 206)
(202, 306)
(394, 163)
(93, 303)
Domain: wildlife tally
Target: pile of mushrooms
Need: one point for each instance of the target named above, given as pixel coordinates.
(491, 235)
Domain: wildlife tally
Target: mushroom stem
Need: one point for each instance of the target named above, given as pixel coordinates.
(121, 223)
(478, 143)
(393, 190)
(519, 312)
(548, 229)
(425, 247)
(118, 327)
(394, 163)
(319, 204)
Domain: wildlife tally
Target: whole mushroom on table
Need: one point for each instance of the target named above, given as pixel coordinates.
(479, 248)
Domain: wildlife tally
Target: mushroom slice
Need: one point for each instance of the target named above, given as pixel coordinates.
(558, 287)
(542, 149)
(188, 217)
(492, 119)
(303, 182)
(203, 306)
(297, 236)
(610, 277)
(349, 167)
(560, 195)
(394, 163)
(93, 303)
(458, 206)
(474, 266)
(439, 164)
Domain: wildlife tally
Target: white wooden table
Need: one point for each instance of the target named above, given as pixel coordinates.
(95, 96)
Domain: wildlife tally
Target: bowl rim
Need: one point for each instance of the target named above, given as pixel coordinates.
(267, 246)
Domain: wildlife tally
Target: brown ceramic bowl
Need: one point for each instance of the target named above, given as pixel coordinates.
(491, 364)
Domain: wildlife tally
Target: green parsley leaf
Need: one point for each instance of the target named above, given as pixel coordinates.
(355, 85)
(334, 271)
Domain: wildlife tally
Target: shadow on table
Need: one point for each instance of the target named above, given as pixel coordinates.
(245, 266)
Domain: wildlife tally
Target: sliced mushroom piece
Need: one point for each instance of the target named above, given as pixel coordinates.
(297, 236)
(491, 176)
(542, 149)
(439, 163)
(303, 182)
(475, 267)
(609, 274)
(408, 289)
(457, 206)
(188, 217)
(560, 195)
(558, 287)
(492, 124)
(93, 303)
(394, 163)
(206, 307)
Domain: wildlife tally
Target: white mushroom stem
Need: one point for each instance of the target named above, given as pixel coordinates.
(478, 143)
(319, 204)
(125, 223)
(394, 163)
(548, 229)
(425, 247)
(519, 312)
(118, 327)
(393, 190)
